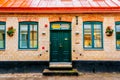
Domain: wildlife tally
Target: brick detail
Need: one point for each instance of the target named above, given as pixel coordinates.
(20, 19)
(60, 18)
(3, 19)
(93, 17)
(117, 18)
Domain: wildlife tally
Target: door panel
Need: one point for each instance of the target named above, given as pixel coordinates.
(66, 41)
(54, 46)
(60, 48)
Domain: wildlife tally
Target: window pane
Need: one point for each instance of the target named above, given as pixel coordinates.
(23, 36)
(33, 36)
(117, 28)
(97, 36)
(87, 36)
(2, 36)
(118, 35)
(65, 26)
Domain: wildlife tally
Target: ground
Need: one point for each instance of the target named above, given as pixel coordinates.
(39, 76)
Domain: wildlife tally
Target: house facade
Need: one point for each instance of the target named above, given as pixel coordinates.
(45, 31)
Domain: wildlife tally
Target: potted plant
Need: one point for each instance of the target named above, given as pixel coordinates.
(109, 31)
(11, 31)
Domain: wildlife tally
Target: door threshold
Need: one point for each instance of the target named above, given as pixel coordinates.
(61, 63)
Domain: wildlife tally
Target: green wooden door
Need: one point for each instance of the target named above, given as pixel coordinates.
(60, 47)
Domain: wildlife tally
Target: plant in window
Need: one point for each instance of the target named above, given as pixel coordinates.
(109, 31)
(11, 31)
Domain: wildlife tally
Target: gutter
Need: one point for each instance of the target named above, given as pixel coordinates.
(60, 10)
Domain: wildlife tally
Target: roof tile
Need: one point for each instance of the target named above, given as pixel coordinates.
(60, 3)
(59, 6)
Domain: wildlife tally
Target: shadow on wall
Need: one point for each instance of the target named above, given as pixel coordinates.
(97, 66)
(39, 66)
(22, 66)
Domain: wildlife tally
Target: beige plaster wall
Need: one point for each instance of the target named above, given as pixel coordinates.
(12, 53)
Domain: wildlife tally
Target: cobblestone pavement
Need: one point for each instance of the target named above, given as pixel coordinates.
(39, 76)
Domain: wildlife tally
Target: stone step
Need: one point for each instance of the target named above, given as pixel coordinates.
(60, 65)
(48, 72)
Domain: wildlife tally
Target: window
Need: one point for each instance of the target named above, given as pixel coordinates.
(2, 35)
(118, 35)
(92, 35)
(28, 35)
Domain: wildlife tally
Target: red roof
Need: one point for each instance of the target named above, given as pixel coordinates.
(59, 6)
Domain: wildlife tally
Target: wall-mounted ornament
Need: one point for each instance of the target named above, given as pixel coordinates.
(73, 50)
(46, 25)
(77, 42)
(43, 33)
(76, 20)
(76, 57)
(10, 31)
(80, 54)
(40, 54)
(43, 47)
(77, 32)
(60, 18)
(46, 50)
(109, 31)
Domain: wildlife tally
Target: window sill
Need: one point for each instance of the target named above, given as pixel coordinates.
(27, 49)
(118, 49)
(93, 49)
(2, 49)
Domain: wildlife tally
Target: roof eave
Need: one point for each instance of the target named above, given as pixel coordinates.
(60, 10)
